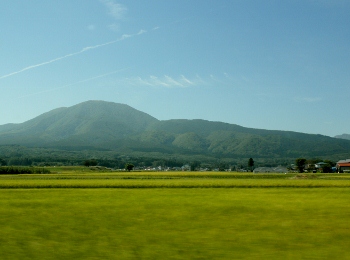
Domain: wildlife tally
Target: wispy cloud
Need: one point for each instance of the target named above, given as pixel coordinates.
(181, 81)
(141, 32)
(85, 49)
(307, 99)
(186, 81)
(214, 78)
(117, 11)
(164, 81)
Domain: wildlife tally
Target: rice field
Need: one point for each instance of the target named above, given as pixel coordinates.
(172, 180)
(174, 215)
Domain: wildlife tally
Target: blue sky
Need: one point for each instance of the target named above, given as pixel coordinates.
(279, 65)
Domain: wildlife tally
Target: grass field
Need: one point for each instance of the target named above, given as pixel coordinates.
(79, 215)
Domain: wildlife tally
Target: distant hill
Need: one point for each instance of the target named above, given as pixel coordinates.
(89, 124)
(343, 136)
(99, 125)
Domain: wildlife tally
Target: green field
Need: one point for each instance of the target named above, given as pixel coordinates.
(174, 215)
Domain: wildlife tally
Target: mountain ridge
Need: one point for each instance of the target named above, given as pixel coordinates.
(99, 125)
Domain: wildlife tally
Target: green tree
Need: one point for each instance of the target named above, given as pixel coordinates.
(91, 162)
(330, 163)
(251, 164)
(300, 164)
(195, 165)
(222, 166)
(129, 167)
(327, 168)
(2, 162)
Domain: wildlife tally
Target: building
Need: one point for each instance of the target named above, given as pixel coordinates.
(343, 166)
(319, 166)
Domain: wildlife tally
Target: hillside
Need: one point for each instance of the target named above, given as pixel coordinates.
(343, 136)
(89, 123)
(99, 125)
(224, 139)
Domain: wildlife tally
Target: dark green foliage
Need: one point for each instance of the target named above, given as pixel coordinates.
(251, 164)
(3, 162)
(330, 163)
(327, 169)
(23, 170)
(52, 157)
(195, 165)
(300, 164)
(129, 167)
(155, 137)
(21, 161)
(191, 141)
(91, 162)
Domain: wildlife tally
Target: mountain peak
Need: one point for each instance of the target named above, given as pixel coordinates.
(90, 118)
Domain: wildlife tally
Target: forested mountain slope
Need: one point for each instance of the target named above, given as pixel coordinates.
(100, 125)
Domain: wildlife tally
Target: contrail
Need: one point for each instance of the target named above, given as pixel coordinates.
(75, 83)
(89, 48)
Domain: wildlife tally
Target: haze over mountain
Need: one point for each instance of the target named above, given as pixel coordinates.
(343, 136)
(100, 125)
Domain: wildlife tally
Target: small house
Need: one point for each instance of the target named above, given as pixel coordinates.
(343, 165)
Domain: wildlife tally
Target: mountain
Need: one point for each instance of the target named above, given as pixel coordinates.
(99, 125)
(223, 139)
(90, 123)
(343, 136)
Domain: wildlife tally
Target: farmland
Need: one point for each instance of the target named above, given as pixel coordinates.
(73, 213)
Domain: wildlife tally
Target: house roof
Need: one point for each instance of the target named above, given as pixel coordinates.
(344, 164)
(320, 164)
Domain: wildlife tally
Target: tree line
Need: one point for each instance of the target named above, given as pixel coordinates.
(302, 165)
(22, 170)
(19, 157)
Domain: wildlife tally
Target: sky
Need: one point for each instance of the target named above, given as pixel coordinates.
(276, 65)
